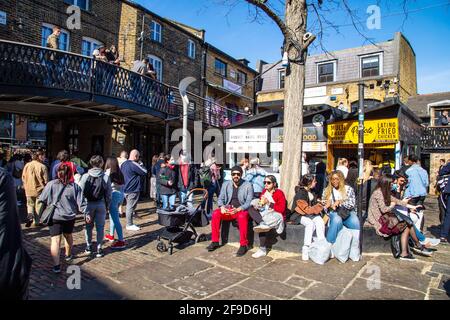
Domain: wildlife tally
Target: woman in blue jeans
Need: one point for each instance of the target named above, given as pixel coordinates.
(167, 179)
(336, 195)
(112, 169)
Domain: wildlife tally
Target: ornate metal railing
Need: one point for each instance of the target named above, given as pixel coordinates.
(24, 65)
(436, 138)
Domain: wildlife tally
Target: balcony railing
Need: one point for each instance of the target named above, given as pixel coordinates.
(436, 138)
(23, 65)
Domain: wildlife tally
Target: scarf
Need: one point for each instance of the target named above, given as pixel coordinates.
(184, 168)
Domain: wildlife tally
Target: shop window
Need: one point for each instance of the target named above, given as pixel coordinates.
(371, 66)
(64, 39)
(221, 67)
(155, 31)
(74, 137)
(37, 131)
(6, 126)
(326, 72)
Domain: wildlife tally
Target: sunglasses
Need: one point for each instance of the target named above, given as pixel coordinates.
(268, 182)
(235, 174)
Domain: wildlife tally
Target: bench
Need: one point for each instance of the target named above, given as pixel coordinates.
(292, 239)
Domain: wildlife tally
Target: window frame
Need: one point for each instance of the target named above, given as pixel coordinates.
(91, 41)
(370, 55)
(192, 49)
(75, 3)
(50, 26)
(280, 71)
(334, 62)
(238, 73)
(153, 31)
(215, 67)
(159, 75)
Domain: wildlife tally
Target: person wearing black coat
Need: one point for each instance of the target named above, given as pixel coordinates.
(167, 180)
(15, 263)
(445, 226)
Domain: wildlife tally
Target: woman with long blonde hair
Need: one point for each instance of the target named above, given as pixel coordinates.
(367, 170)
(340, 199)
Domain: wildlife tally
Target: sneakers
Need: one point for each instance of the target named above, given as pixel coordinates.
(68, 258)
(423, 251)
(88, 250)
(430, 242)
(109, 237)
(118, 245)
(241, 251)
(212, 246)
(261, 228)
(100, 253)
(133, 228)
(260, 253)
(57, 269)
(409, 257)
(305, 253)
(444, 240)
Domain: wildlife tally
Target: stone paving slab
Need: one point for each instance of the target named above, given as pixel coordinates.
(240, 293)
(279, 290)
(406, 273)
(359, 290)
(160, 273)
(299, 282)
(206, 283)
(321, 291)
(438, 295)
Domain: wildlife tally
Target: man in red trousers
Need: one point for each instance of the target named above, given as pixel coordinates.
(234, 200)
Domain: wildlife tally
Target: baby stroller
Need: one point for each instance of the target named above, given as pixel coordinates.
(180, 223)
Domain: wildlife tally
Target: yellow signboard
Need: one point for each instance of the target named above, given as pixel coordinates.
(375, 131)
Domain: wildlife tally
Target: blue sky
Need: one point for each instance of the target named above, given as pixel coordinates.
(427, 27)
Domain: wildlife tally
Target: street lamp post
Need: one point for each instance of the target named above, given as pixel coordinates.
(184, 84)
(360, 191)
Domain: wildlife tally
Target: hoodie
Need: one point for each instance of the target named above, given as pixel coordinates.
(97, 172)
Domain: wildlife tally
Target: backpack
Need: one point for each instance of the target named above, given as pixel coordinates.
(16, 172)
(442, 183)
(94, 188)
(205, 176)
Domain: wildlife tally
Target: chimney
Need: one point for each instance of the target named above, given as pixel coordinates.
(244, 61)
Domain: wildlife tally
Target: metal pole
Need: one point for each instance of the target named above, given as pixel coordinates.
(142, 36)
(361, 158)
(166, 144)
(182, 87)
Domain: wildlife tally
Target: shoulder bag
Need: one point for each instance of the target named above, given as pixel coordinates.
(46, 217)
(341, 211)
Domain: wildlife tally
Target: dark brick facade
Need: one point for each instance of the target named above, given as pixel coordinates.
(100, 22)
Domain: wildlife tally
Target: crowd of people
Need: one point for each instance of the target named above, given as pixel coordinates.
(392, 203)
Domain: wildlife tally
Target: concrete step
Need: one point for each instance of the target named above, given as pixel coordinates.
(292, 239)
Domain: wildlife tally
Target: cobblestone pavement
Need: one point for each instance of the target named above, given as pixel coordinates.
(141, 272)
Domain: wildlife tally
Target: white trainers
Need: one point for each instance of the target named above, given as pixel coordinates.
(305, 253)
(133, 228)
(261, 228)
(430, 242)
(260, 253)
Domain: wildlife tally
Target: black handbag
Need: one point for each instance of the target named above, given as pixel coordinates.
(46, 218)
(341, 211)
(402, 217)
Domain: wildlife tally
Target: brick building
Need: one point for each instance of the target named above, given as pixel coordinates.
(174, 49)
(387, 68)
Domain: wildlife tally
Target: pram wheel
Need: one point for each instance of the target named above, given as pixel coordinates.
(200, 238)
(161, 247)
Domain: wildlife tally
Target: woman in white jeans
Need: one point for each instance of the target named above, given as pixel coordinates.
(309, 209)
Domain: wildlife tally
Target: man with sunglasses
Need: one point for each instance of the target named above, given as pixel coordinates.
(234, 200)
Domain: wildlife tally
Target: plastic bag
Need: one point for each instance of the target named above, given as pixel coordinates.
(320, 251)
(355, 252)
(341, 248)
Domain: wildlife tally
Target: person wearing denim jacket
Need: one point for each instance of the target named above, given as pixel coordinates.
(255, 175)
(418, 180)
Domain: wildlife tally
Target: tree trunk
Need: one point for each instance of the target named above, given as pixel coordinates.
(296, 15)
